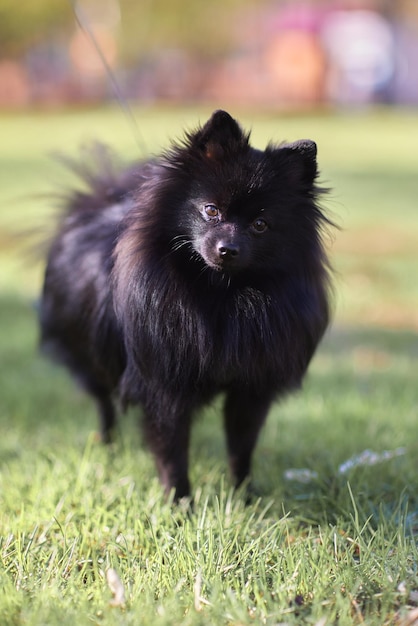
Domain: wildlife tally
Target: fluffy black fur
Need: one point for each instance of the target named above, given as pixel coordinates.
(197, 273)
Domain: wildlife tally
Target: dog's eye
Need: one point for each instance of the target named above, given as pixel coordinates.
(259, 225)
(211, 211)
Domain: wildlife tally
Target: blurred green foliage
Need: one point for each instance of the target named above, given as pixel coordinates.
(205, 27)
(208, 28)
(25, 23)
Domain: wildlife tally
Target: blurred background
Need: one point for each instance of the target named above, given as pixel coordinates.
(271, 53)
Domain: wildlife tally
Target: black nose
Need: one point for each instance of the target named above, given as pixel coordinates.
(228, 250)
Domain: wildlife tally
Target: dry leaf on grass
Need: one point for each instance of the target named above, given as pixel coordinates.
(116, 587)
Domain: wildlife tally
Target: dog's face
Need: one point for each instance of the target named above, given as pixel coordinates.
(234, 231)
(229, 242)
(246, 209)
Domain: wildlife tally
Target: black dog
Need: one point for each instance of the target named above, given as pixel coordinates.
(197, 273)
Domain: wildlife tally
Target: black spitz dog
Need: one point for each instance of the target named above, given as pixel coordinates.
(197, 273)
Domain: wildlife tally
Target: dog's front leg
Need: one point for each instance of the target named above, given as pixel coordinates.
(168, 433)
(245, 412)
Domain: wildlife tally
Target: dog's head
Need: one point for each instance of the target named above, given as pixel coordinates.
(241, 209)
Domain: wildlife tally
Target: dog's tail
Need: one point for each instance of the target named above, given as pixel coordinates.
(105, 180)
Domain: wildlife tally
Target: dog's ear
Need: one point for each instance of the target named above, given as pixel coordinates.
(299, 161)
(220, 135)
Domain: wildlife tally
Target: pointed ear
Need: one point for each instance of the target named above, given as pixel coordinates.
(221, 134)
(299, 158)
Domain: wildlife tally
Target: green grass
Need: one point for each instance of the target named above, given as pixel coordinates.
(340, 549)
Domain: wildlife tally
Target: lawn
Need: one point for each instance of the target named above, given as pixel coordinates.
(330, 545)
